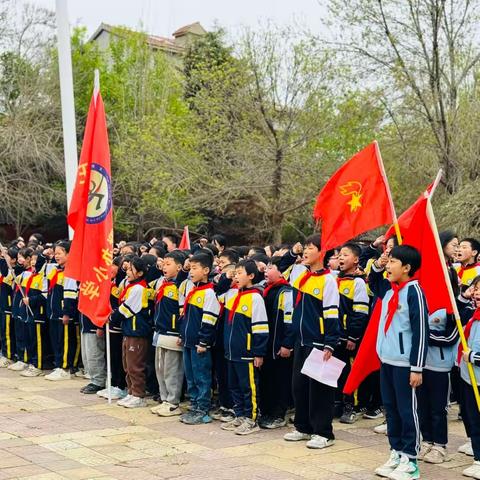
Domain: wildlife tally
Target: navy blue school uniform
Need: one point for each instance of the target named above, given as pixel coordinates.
(402, 349)
(315, 324)
(62, 298)
(7, 324)
(470, 412)
(276, 371)
(198, 328)
(245, 337)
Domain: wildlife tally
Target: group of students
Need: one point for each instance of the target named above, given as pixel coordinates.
(240, 322)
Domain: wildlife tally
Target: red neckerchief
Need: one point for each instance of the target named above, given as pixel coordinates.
(278, 283)
(393, 303)
(161, 290)
(54, 279)
(29, 283)
(468, 328)
(236, 301)
(193, 291)
(1, 279)
(121, 298)
(304, 280)
(462, 269)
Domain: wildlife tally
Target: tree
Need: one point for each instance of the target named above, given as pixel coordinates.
(423, 53)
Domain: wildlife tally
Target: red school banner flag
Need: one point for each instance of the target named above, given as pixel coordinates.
(185, 242)
(355, 199)
(417, 230)
(90, 216)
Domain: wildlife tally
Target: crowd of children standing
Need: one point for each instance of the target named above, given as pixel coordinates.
(240, 322)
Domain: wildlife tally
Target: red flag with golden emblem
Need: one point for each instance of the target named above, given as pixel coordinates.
(355, 199)
(90, 216)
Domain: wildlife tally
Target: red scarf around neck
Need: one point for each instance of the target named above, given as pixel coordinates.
(269, 286)
(142, 282)
(393, 303)
(462, 269)
(193, 291)
(161, 290)
(467, 330)
(236, 301)
(305, 279)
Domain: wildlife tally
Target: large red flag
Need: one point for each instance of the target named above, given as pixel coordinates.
(355, 199)
(417, 230)
(90, 216)
(185, 242)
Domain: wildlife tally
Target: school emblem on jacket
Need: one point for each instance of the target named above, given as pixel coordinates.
(244, 308)
(353, 190)
(346, 291)
(99, 194)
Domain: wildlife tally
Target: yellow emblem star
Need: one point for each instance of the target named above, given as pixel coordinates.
(354, 202)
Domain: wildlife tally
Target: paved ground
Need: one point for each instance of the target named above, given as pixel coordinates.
(50, 431)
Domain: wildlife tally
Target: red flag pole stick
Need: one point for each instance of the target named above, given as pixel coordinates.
(433, 224)
(389, 194)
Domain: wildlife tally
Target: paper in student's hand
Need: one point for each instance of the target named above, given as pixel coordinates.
(327, 372)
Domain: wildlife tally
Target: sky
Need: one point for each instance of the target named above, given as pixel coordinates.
(163, 17)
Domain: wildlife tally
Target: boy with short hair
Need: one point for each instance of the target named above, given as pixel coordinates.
(353, 312)
(197, 335)
(276, 372)
(469, 267)
(315, 325)
(402, 343)
(245, 342)
(168, 354)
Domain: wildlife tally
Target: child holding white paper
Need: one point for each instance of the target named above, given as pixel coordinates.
(315, 324)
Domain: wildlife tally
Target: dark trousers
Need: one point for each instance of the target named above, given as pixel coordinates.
(7, 335)
(471, 417)
(116, 363)
(198, 372)
(275, 386)
(400, 401)
(20, 334)
(134, 359)
(65, 341)
(433, 396)
(369, 395)
(35, 341)
(346, 356)
(243, 385)
(314, 401)
(220, 373)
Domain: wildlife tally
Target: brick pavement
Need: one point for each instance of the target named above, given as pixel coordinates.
(50, 431)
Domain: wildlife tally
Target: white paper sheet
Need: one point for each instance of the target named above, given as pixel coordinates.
(324, 372)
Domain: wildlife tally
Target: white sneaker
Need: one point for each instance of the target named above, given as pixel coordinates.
(80, 373)
(389, 466)
(102, 393)
(18, 366)
(381, 429)
(31, 371)
(466, 448)
(135, 402)
(436, 454)
(424, 449)
(296, 436)
(318, 442)
(406, 470)
(124, 400)
(86, 376)
(169, 410)
(473, 471)
(5, 362)
(58, 374)
(117, 393)
(157, 408)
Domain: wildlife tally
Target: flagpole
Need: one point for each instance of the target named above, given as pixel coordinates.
(67, 100)
(433, 224)
(389, 193)
(109, 366)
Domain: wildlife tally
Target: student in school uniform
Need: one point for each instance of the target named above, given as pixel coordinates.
(62, 294)
(315, 324)
(470, 412)
(468, 267)
(8, 262)
(402, 345)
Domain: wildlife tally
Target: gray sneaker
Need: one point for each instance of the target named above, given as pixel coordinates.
(275, 423)
(197, 418)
